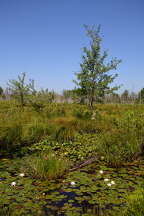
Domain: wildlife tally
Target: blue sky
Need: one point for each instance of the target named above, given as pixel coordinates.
(45, 38)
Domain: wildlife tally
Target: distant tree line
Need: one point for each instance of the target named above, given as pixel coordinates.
(24, 96)
(126, 97)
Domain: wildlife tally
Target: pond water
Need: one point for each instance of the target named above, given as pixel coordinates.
(89, 194)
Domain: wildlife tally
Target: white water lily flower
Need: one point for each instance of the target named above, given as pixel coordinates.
(72, 183)
(106, 179)
(21, 174)
(112, 182)
(109, 184)
(13, 184)
(102, 157)
(101, 172)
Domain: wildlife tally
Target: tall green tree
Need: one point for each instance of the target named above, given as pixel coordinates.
(20, 89)
(93, 80)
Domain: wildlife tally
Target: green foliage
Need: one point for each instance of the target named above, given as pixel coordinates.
(53, 110)
(135, 204)
(17, 135)
(10, 137)
(114, 131)
(64, 134)
(82, 114)
(46, 166)
(35, 132)
(20, 90)
(117, 148)
(89, 196)
(123, 141)
(5, 211)
(93, 80)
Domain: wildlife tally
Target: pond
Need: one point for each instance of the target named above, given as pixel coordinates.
(92, 190)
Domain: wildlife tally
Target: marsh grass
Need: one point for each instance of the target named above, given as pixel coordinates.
(46, 166)
(118, 147)
(119, 129)
(6, 211)
(64, 134)
(135, 204)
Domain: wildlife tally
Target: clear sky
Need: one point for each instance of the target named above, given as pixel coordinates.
(45, 38)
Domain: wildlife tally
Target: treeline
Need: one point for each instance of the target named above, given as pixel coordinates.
(126, 97)
(67, 96)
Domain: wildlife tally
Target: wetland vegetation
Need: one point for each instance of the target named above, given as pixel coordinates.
(39, 148)
(77, 156)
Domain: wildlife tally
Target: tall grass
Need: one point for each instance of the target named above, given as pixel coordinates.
(46, 166)
(119, 129)
(135, 204)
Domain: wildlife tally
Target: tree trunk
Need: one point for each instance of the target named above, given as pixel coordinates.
(22, 99)
(91, 101)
